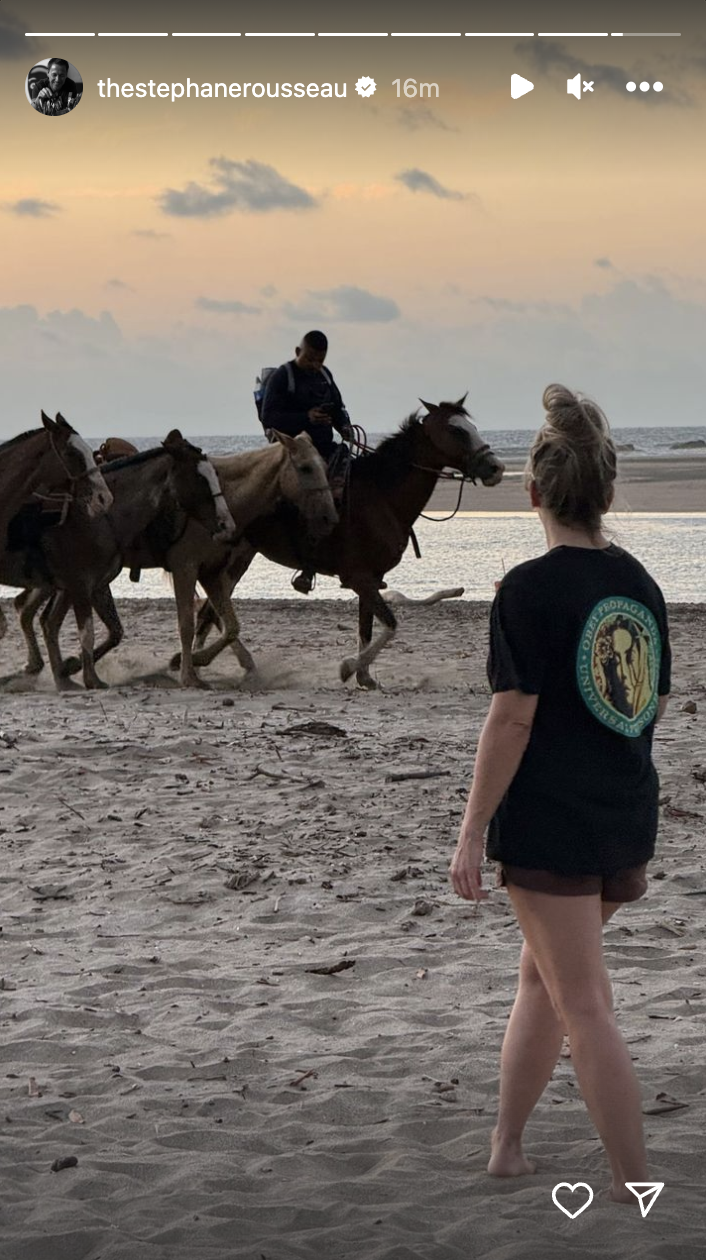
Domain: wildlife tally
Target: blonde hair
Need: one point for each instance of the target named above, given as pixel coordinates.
(572, 461)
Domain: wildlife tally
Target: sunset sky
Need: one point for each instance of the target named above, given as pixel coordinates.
(157, 254)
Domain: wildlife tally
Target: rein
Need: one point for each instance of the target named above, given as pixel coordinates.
(360, 442)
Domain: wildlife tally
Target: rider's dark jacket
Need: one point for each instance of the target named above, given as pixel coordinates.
(287, 410)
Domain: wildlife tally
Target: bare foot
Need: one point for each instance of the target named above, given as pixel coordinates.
(507, 1160)
(620, 1194)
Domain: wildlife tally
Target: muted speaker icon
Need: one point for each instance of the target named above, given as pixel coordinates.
(574, 86)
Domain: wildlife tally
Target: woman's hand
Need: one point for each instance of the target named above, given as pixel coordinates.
(466, 874)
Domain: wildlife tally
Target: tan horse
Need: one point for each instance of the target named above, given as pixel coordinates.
(289, 471)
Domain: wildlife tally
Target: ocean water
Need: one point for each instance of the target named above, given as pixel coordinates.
(474, 550)
(507, 443)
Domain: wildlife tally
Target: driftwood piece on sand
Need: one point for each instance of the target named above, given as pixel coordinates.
(398, 776)
(451, 592)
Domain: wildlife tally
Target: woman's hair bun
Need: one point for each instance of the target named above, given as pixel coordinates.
(578, 418)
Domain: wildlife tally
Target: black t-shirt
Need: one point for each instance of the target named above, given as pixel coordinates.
(586, 631)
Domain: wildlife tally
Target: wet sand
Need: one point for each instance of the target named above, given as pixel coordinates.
(179, 867)
(644, 485)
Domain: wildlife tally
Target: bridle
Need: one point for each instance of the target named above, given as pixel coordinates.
(359, 442)
(64, 497)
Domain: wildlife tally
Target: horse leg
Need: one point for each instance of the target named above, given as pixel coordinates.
(184, 590)
(206, 621)
(27, 604)
(365, 634)
(104, 605)
(218, 587)
(371, 604)
(83, 611)
(240, 560)
(51, 621)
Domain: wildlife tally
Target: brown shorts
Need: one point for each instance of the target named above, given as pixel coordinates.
(627, 885)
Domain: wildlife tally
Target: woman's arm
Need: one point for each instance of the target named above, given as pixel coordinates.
(501, 747)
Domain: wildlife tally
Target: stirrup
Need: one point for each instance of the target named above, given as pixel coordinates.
(304, 582)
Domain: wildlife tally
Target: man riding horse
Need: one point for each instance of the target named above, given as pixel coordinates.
(301, 396)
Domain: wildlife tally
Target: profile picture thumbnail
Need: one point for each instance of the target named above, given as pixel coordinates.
(54, 87)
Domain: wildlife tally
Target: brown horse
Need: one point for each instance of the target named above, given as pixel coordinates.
(52, 464)
(250, 484)
(156, 495)
(387, 490)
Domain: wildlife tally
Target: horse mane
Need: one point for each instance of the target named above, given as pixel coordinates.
(388, 463)
(21, 437)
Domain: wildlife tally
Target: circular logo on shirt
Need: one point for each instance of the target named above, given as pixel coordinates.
(617, 667)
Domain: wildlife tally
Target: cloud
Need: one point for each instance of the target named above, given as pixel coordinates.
(250, 186)
(420, 181)
(636, 345)
(149, 234)
(13, 44)
(268, 291)
(345, 304)
(546, 55)
(115, 283)
(604, 263)
(418, 118)
(234, 307)
(33, 208)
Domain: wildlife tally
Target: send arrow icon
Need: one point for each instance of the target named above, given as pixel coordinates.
(519, 86)
(646, 1193)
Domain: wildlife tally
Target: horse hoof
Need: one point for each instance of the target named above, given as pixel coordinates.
(32, 668)
(96, 684)
(66, 685)
(175, 662)
(365, 682)
(199, 683)
(71, 665)
(347, 669)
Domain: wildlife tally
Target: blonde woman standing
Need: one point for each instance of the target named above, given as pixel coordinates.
(565, 786)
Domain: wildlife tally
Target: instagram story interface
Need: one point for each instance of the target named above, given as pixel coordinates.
(352, 577)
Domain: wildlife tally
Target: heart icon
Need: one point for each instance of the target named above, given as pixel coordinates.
(580, 1185)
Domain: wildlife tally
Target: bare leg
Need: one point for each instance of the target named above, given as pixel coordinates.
(531, 1048)
(27, 604)
(564, 935)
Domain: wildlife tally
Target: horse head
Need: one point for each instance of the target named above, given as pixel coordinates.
(68, 454)
(453, 435)
(197, 487)
(304, 483)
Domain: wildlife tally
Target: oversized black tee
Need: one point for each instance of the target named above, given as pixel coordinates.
(586, 631)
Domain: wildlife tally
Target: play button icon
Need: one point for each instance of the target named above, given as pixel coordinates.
(519, 86)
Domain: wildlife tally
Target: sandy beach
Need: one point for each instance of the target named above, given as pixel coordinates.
(676, 484)
(181, 872)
